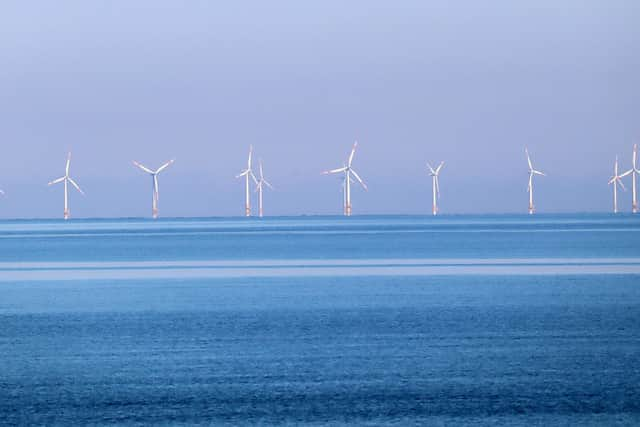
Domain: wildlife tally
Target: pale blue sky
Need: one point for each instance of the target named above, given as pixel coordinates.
(467, 82)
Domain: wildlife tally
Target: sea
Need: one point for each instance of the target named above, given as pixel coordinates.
(367, 320)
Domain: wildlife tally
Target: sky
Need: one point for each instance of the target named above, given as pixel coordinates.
(471, 83)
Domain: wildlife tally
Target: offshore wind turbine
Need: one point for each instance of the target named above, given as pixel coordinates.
(259, 187)
(348, 172)
(248, 173)
(616, 180)
(633, 172)
(155, 193)
(67, 179)
(435, 173)
(532, 172)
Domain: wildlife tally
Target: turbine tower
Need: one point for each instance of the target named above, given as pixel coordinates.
(435, 173)
(616, 179)
(155, 194)
(633, 172)
(67, 179)
(259, 188)
(348, 172)
(248, 173)
(532, 172)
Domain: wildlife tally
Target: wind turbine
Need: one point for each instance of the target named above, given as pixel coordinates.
(633, 172)
(155, 194)
(259, 188)
(616, 179)
(435, 173)
(248, 173)
(532, 172)
(67, 179)
(348, 172)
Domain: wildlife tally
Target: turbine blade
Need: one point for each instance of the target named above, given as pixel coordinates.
(359, 179)
(250, 154)
(621, 184)
(353, 151)
(55, 181)
(166, 165)
(439, 168)
(626, 173)
(253, 177)
(335, 170)
(261, 174)
(538, 173)
(66, 169)
(144, 168)
(76, 185)
(268, 185)
(243, 173)
(528, 158)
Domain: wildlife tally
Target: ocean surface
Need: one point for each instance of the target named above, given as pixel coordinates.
(374, 320)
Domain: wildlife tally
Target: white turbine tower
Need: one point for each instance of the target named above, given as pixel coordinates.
(155, 193)
(248, 173)
(633, 172)
(259, 187)
(348, 172)
(435, 173)
(532, 172)
(616, 179)
(67, 179)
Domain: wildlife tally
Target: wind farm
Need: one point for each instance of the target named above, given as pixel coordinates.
(348, 176)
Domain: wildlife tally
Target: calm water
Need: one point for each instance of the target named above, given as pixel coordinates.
(501, 320)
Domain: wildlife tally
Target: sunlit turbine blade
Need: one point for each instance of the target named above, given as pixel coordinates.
(538, 173)
(439, 168)
(267, 183)
(353, 152)
(144, 168)
(528, 158)
(359, 179)
(76, 185)
(612, 180)
(630, 171)
(635, 157)
(250, 154)
(261, 173)
(335, 170)
(166, 165)
(66, 169)
(55, 181)
(253, 177)
(243, 173)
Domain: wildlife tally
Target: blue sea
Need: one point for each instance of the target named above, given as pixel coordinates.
(373, 320)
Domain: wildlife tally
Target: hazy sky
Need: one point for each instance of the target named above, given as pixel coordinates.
(467, 82)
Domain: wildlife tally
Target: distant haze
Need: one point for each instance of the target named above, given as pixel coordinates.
(471, 83)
